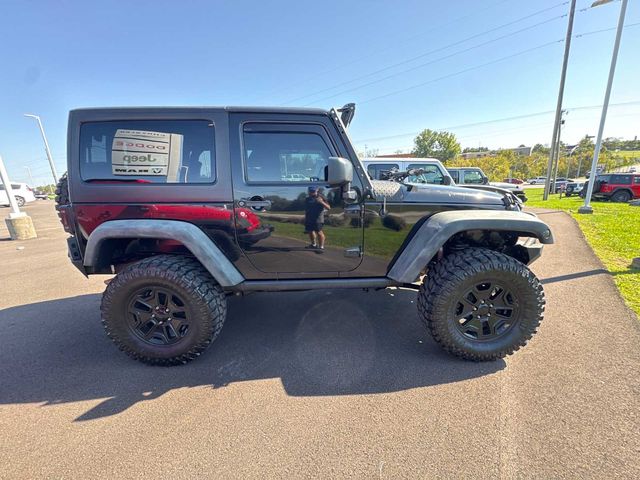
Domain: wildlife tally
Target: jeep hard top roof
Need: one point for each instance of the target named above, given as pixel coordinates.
(294, 110)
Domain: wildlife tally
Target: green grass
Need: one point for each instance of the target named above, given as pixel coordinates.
(613, 231)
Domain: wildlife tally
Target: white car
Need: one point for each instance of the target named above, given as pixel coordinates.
(21, 191)
(537, 180)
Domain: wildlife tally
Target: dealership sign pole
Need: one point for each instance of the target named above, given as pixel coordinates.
(586, 208)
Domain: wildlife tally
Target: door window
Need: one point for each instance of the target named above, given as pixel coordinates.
(432, 174)
(281, 156)
(376, 170)
(454, 175)
(473, 177)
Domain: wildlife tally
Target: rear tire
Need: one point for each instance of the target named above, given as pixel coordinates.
(621, 196)
(481, 305)
(20, 201)
(163, 310)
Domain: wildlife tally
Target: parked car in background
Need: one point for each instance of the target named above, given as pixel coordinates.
(574, 188)
(515, 181)
(561, 184)
(536, 180)
(40, 194)
(433, 171)
(21, 191)
(474, 176)
(599, 171)
(617, 187)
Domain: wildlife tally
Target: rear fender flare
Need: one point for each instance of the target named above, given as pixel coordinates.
(194, 239)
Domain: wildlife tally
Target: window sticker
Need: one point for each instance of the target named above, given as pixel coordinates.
(140, 152)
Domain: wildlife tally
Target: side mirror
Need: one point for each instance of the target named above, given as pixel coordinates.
(339, 171)
(447, 180)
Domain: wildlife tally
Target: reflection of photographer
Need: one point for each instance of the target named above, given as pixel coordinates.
(314, 207)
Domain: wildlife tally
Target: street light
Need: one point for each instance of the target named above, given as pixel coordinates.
(46, 147)
(586, 208)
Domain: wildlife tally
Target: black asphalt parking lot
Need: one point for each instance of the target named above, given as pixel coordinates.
(314, 384)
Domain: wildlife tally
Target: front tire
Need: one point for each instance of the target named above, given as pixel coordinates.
(163, 310)
(481, 305)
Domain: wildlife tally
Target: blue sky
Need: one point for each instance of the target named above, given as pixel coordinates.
(409, 65)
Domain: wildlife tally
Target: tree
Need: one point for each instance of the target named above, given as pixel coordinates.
(539, 148)
(441, 145)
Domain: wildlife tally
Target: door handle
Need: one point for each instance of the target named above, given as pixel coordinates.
(255, 204)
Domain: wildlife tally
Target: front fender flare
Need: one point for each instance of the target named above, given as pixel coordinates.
(194, 239)
(440, 227)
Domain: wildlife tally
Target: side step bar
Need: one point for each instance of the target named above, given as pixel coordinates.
(312, 284)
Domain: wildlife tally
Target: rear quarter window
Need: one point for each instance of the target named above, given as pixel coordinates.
(621, 179)
(148, 151)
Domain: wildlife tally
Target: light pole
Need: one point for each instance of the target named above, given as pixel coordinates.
(563, 76)
(46, 147)
(586, 208)
(30, 176)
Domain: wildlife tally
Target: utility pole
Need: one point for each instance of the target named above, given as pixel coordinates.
(556, 159)
(563, 75)
(586, 208)
(30, 177)
(46, 147)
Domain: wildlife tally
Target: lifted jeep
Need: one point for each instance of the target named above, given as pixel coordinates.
(188, 205)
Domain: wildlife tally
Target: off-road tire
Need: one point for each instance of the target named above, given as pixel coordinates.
(621, 196)
(62, 193)
(202, 296)
(447, 281)
(19, 200)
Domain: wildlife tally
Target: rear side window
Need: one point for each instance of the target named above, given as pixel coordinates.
(621, 179)
(148, 151)
(637, 180)
(376, 170)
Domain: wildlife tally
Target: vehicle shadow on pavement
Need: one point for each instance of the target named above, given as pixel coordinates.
(318, 343)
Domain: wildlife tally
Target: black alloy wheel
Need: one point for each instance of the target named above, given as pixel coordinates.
(158, 316)
(486, 311)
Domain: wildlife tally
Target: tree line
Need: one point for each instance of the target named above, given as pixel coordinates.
(503, 164)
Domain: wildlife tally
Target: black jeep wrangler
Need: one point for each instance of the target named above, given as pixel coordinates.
(188, 205)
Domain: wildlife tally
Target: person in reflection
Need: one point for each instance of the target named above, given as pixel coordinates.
(314, 208)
